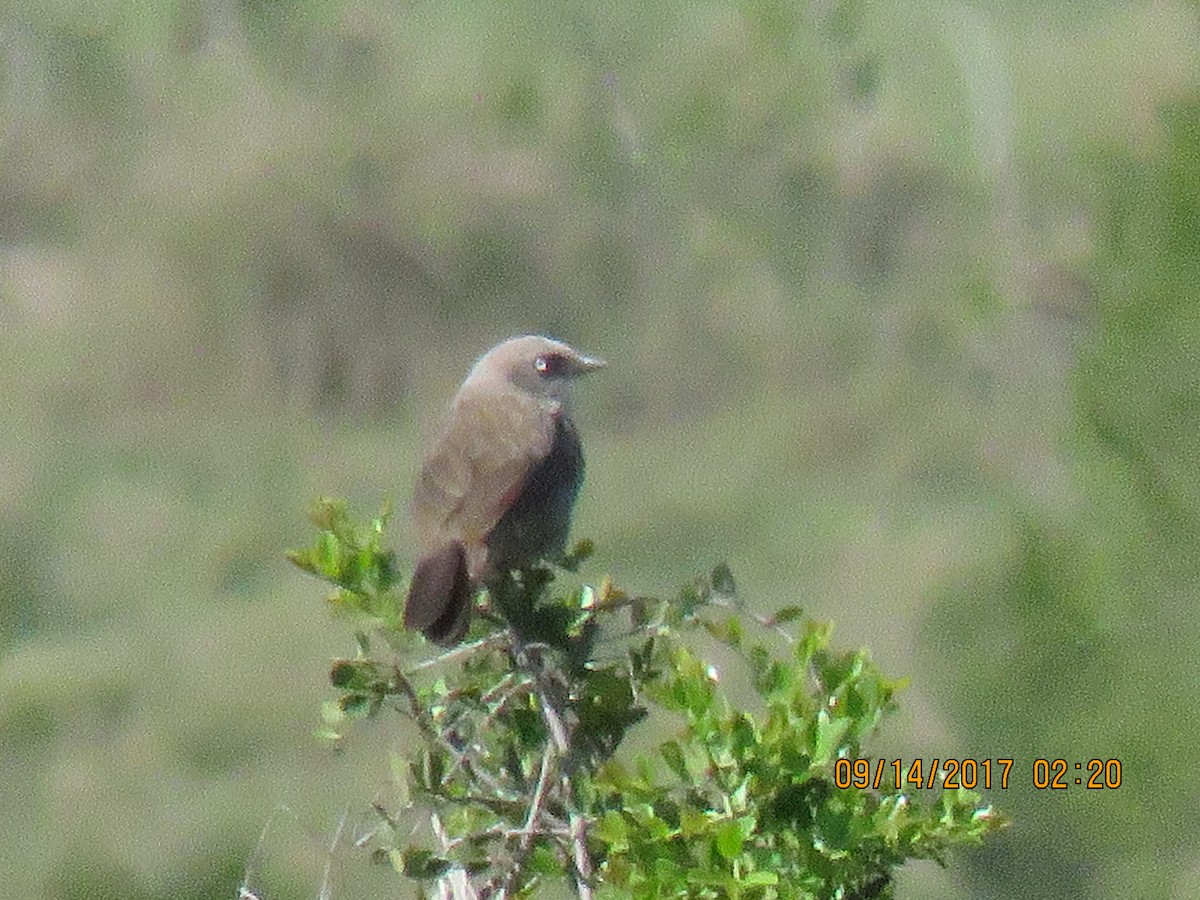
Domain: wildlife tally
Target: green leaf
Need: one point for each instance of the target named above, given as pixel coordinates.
(303, 559)
(380, 523)
(328, 555)
(327, 513)
(361, 675)
(579, 553)
(423, 865)
(729, 840)
(692, 822)
(355, 705)
(672, 754)
(759, 879)
(545, 862)
(728, 631)
(829, 734)
(667, 870)
(722, 580)
(787, 614)
(742, 736)
(613, 830)
(815, 638)
(332, 713)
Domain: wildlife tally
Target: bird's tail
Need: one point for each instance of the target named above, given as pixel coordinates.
(440, 597)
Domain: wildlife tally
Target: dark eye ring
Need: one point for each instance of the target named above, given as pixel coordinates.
(549, 364)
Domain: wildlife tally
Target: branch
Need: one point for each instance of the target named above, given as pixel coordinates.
(502, 887)
(455, 884)
(552, 712)
(459, 652)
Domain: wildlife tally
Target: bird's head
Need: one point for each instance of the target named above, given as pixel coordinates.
(537, 365)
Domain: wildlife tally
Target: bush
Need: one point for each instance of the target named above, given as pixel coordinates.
(518, 774)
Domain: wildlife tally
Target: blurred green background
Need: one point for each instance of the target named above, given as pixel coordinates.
(901, 307)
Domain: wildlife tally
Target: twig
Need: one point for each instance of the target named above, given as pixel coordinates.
(766, 622)
(512, 692)
(576, 823)
(553, 788)
(455, 883)
(502, 887)
(538, 800)
(459, 652)
(324, 893)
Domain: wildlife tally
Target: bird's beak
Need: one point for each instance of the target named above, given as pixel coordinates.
(590, 364)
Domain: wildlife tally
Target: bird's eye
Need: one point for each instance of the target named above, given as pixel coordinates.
(550, 365)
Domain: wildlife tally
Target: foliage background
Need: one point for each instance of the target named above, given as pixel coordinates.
(901, 306)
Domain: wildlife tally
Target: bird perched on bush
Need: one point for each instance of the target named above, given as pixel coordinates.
(495, 492)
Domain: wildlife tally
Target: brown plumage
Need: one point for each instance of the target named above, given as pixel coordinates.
(496, 491)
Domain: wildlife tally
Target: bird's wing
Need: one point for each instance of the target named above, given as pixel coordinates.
(493, 440)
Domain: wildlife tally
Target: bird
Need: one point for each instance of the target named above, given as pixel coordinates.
(496, 490)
